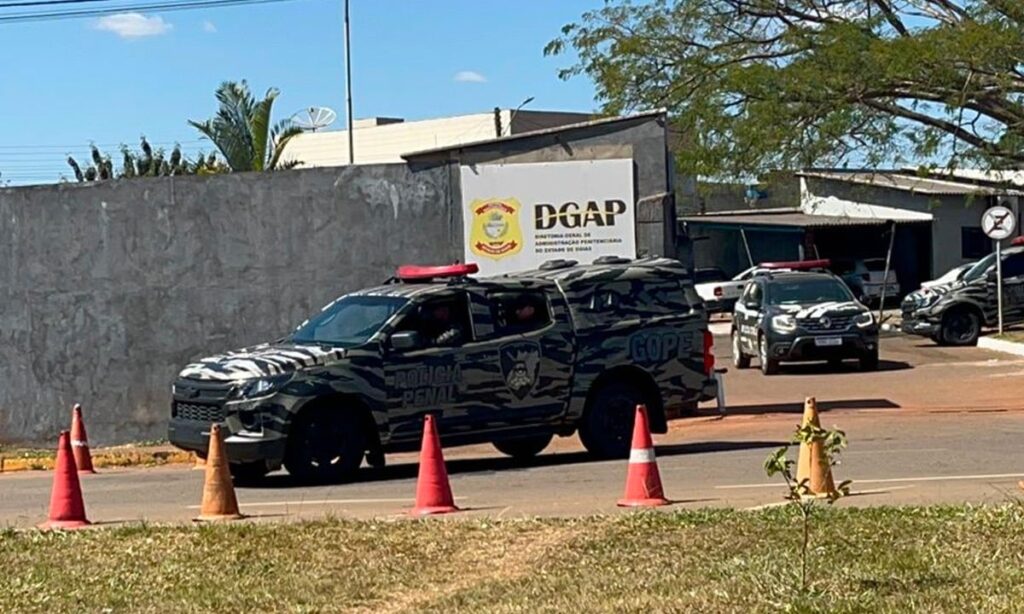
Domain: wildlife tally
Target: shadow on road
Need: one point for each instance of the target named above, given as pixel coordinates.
(407, 470)
(823, 368)
(798, 408)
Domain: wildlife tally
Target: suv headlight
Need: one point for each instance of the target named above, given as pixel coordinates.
(864, 320)
(784, 323)
(260, 387)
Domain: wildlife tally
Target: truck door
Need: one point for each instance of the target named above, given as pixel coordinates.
(434, 374)
(1013, 288)
(532, 338)
(747, 315)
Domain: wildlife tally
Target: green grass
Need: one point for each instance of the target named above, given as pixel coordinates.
(951, 559)
(1012, 335)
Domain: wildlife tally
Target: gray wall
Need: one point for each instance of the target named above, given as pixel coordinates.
(107, 290)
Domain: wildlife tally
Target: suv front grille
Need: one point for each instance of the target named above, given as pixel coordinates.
(198, 412)
(836, 324)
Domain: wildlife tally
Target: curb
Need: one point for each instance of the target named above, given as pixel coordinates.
(102, 460)
(1000, 345)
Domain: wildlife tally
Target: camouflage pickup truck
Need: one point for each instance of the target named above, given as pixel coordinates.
(512, 360)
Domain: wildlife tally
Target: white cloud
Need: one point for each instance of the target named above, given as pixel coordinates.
(209, 27)
(133, 25)
(469, 76)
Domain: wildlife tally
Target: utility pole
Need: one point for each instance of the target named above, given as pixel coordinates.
(348, 89)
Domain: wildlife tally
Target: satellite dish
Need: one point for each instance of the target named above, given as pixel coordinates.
(314, 118)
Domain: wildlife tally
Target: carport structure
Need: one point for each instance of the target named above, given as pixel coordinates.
(733, 240)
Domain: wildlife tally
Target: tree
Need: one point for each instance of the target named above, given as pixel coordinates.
(241, 129)
(755, 85)
(147, 162)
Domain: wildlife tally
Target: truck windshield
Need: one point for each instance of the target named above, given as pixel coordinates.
(808, 292)
(349, 321)
(979, 268)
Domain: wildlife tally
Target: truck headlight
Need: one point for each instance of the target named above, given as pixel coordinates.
(864, 320)
(784, 323)
(261, 387)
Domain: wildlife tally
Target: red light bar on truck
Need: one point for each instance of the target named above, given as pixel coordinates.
(412, 272)
(1017, 241)
(797, 265)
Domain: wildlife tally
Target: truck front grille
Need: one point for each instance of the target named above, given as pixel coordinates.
(836, 324)
(198, 412)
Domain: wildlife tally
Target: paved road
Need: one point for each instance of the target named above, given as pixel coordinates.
(936, 425)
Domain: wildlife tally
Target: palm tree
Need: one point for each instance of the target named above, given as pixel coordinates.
(241, 130)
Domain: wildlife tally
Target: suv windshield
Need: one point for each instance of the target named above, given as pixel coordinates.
(349, 321)
(807, 292)
(979, 268)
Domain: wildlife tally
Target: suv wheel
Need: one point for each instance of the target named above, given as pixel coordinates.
(769, 366)
(960, 327)
(246, 474)
(607, 426)
(739, 359)
(523, 448)
(869, 361)
(326, 444)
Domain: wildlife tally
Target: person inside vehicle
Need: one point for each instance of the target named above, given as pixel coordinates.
(523, 317)
(442, 329)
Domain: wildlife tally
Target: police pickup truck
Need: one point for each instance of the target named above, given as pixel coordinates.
(512, 360)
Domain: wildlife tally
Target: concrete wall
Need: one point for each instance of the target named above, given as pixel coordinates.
(107, 290)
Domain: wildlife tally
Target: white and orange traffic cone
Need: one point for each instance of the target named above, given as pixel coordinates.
(80, 441)
(643, 482)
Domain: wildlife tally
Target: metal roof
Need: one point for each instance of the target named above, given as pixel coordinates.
(535, 133)
(909, 182)
(792, 218)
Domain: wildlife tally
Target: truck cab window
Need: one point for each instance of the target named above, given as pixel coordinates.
(440, 322)
(520, 312)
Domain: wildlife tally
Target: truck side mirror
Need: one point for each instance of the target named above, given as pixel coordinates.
(406, 340)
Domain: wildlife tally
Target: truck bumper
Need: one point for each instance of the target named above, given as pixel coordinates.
(242, 446)
(924, 328)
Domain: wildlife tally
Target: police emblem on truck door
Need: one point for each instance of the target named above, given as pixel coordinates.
(520, 366)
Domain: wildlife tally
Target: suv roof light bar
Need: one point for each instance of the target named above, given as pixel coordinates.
(417, 273)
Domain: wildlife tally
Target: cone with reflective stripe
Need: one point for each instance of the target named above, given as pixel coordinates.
(67, 508)
(433, 492)
(80, 442)
(643, 482)
(812, 465)
(219, 502)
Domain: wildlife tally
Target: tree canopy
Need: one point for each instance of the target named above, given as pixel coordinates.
(146, 162)
(242, 132)
(756, 85)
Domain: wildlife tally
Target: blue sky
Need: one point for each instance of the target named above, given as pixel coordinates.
(66, 83)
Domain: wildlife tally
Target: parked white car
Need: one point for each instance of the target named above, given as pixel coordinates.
(866, 278)
(721, 296)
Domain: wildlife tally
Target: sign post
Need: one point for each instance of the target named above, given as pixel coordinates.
(999, 223)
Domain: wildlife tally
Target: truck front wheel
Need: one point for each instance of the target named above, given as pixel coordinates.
(523, 448)
(326, 445)
(960, 327)
(606, 430)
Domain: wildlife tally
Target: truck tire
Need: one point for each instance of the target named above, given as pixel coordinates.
(523, 448)
(960, 327)
(606, 430)
(326, 445)
(739, 359)
(248, 474)
(769, 366)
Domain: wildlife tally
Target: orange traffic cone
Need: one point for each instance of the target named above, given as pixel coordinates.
(433, 492)
(643, 482)
(80, 442)
(67, 509)
(812, 464)
(219, 502)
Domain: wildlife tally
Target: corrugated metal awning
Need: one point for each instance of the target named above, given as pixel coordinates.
(793, 220)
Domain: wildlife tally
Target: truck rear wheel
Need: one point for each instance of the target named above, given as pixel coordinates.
(326, 445)
(607, 427)
(522, 448)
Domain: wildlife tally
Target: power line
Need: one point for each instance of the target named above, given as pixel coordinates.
(10, 5)
(163, 6)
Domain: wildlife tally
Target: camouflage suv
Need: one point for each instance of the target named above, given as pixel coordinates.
(512, 360)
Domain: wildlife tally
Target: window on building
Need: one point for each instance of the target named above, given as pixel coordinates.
(974, 245)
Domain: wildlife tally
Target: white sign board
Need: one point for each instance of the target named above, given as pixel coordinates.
(998, 223)
(517, 216)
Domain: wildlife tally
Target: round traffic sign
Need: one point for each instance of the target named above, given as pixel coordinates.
(998, 223)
